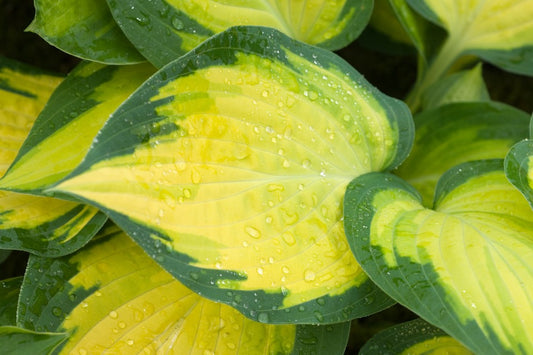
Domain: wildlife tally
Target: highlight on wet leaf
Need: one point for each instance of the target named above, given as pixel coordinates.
(40, 225)
(163, 30)
(413, 338)
(9, 294)
(111, 297)
(85, 29)
(457, 133)
(465, 266)
(229, 166)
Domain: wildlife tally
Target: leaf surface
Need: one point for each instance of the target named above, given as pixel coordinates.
(85, 29)
(499, 31)
(465, 266)
(14, 340)
(165, 30)
(111, 297)
(457, 133)
(413, 337)
(229, 167)
(36, 224)
(9, 294)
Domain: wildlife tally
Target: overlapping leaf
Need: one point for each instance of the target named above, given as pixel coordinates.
(499, 31)
(111, 297)
(84, 28)
(465, 266)
(41, 225)
(229, 167)
(14, 340)
(519, 168)
(413, 337)
(9, 294)
(163, 30)
(463, 86)
(457, 133)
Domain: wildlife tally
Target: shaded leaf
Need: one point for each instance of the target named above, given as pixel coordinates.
(463, 86)
(83, 28)
(9, 294)
(165, 30)
(14, 340)
(413, 337)
(465, 266)
(457, 133)
(111, 297)
(229, 167)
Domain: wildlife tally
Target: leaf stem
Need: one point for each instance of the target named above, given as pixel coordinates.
(450, 51)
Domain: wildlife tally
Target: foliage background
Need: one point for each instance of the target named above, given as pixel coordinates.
(392, 74)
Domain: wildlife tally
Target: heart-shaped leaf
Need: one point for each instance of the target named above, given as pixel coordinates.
(37, 224)
(229, 167)
(111, 297)
(457, 133)
(465, 266)
(416, 337)
(83, 28)
(163, 30)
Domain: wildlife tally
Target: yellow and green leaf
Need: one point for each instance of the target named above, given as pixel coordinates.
(83, 28)
(457, 133)
(499, 31)
(466, 266)
(14, 340)
(40, 225)
(163, 30)
(65, 129)
(416, 337)
(111, 297)
(229, 167)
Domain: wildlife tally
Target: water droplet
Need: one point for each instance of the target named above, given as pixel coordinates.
(252, 232)
(288, 238)
(194, 275)
(56, 311)
(196, 177)
(122, 325)
(268, 219)
(130, 342)
(319, 316)
(231, 346)
(177, 23)
(286, 163)
(265, 93)
(321, 301)
(285, 269)
(113, 314)
(263, 318)
(309, 275)
(275, 187)
(260, 270)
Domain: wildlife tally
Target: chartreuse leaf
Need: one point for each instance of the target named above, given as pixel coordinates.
(65, 129)
(463, 86)
(37, 224)
(111, 297)
(466, 266)
(14, 340)
(163, 30)
(83, 28)
(9, 294)
(229, 167)
(457, 133)
(413, 337)
(499, 31)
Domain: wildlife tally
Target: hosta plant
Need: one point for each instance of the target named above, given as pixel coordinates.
(211, 178)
